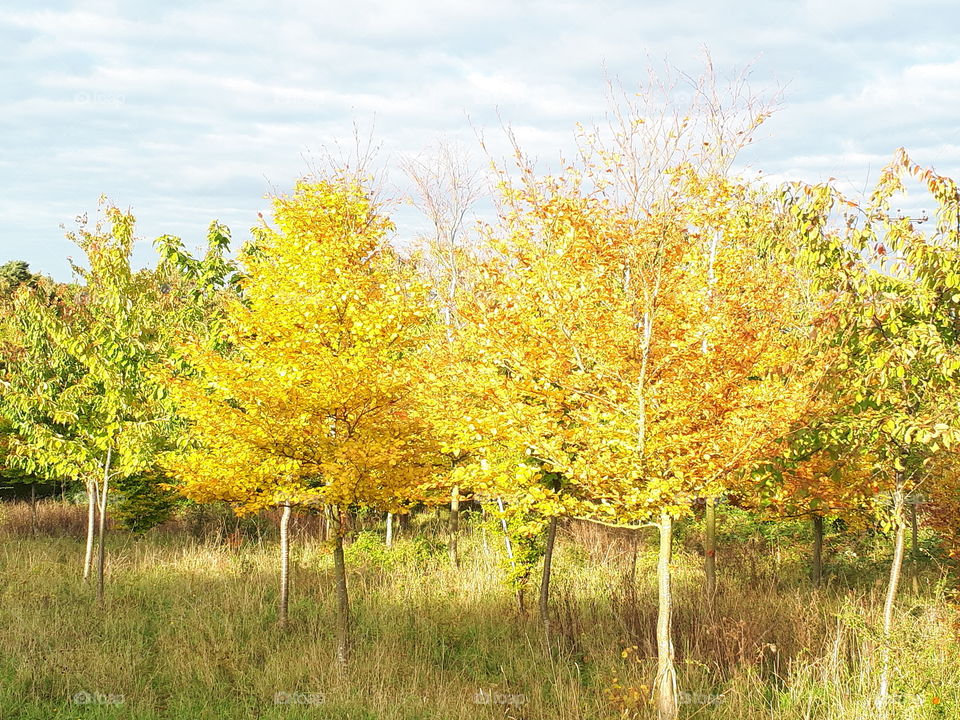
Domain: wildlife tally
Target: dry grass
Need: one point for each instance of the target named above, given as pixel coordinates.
(49, 518)
(188, 632)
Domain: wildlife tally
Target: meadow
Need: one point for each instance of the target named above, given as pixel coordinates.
(188, 628)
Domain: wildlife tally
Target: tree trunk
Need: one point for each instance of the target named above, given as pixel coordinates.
(454, 525)
(506, 531)
(544, 606)
(389, 529)
(284, 565)
(343, 602)
(521, 605)
(710, 550)
(33, 509)
(816, 562)
(630, 577)
(521, 597)
(92, 502)
(914, 531)
(665, 684)
(895, 567)
(101, 541)
(327, 522)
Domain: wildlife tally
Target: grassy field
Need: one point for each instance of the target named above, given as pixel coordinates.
(188, 630)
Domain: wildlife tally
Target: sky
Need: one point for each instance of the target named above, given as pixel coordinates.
(187, 112)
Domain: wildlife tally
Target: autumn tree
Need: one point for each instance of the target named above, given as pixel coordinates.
(305, 397)
(673, 119)
(594, 358)
(897, 297)
(592, 275)
(809, 477)
(75, 385)
(446, 189)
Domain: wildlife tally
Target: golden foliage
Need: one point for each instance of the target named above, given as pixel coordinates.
(634, 363)
(307, 397)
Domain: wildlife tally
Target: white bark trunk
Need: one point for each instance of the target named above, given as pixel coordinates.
(92, 501)
(102, 547)
(454, 525)
(710, 550)
(888, 605)
(665, 684)
(284, 564)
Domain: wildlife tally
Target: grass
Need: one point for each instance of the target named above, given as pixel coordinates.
(188, 630)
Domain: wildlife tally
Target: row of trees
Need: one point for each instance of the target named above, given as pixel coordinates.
(636, 333)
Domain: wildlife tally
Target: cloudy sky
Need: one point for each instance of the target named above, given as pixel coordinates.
(188, 111)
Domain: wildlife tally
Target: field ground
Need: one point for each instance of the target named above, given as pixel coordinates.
(188, 630)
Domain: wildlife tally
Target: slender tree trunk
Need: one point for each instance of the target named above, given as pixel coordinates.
(914, 549)
(389, 529)
(454, 525)
(33, 509)
(914, 531)
(710, 550)
(92, 502)
(630, 578)
(343, 601)
(506, 531)
(284, 565)
(544, 606)
(895, 567)
(710, 521)
(665, 684)
(101, 541)
(327, 522)
(521, 605)
(816, 562)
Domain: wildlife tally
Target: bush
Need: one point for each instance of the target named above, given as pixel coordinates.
(368, 548)
(141, 504)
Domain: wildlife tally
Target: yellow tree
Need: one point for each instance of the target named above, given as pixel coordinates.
(812, 480)
(596, 364)
(446, 190)
(305, 397)
(652, 130)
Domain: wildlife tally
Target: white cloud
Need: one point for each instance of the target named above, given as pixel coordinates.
(190, 113)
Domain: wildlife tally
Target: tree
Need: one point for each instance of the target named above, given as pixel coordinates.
(75, 385)
(199, 284)
(649, 133)
(595, 365)
(446, 191)
(897, 299)
(144, 502)
(305, 395)
(14, 274)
